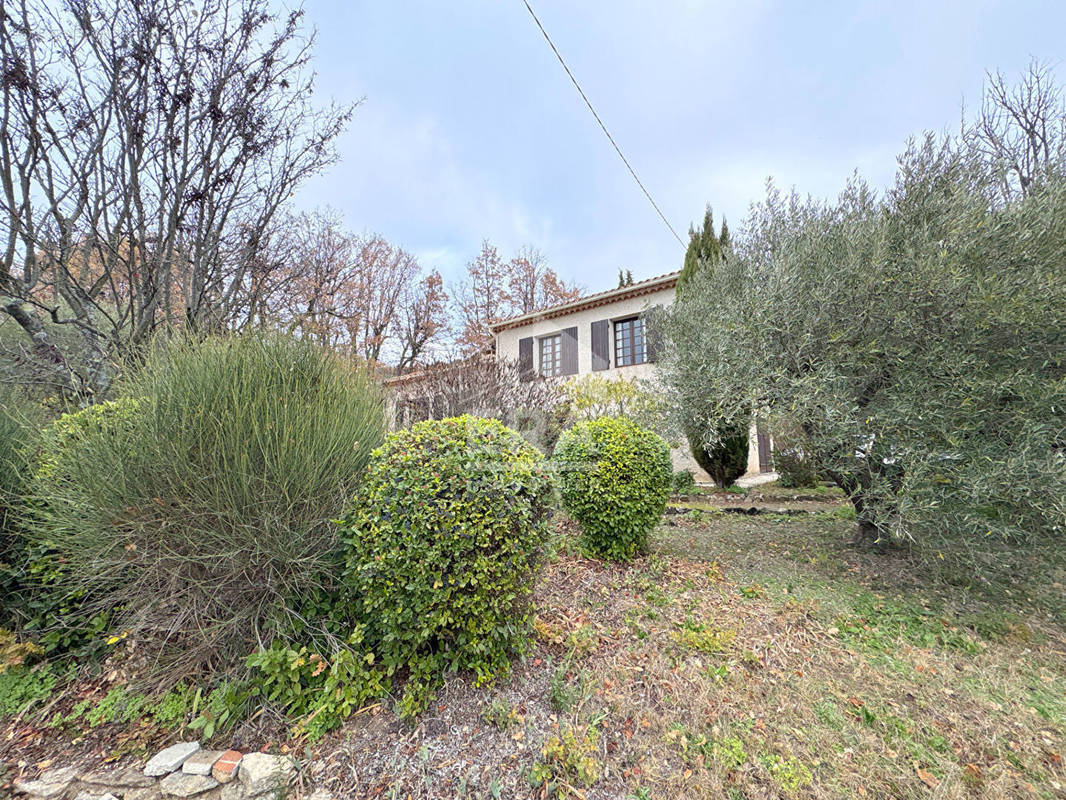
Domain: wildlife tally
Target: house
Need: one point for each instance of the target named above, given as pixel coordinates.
(603, 334)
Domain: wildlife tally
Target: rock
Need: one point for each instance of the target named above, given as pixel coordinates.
(232, 791)
(320, 794)
(151, 793)
(261, 773)
(128, 778)
(166, 761)
(225, 768)
(200, 762)
(83, 795)
(51, 783)
(181, 784)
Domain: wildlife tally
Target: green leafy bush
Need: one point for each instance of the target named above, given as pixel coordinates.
(444, 544)
(204, 519)
(683, 482)
(318, 693)
(615, 478)
(796, 470)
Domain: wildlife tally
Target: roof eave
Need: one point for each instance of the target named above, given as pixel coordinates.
(591, 301)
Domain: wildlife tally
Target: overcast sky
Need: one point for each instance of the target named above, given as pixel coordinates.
(470, 129)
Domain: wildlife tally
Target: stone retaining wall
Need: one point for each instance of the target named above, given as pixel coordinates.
(183, 770)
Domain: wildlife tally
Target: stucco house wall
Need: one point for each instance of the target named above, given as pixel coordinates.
(613, 305)
(507, 339)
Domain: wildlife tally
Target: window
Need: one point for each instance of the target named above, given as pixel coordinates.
(629, 346)
(551, 356)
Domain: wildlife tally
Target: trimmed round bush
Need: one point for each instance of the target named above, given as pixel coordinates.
(615, 478)
(445, 541)
(204, 519)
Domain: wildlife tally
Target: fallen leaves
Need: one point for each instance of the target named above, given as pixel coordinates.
(926, 777)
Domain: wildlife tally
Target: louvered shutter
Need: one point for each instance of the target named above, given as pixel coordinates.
(601, 344)
(569, 351)
(653, 339)
(525, 358)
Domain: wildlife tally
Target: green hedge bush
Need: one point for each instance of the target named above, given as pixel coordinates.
(444, 544)
(615, 479)
(684, 483)
(205, 520)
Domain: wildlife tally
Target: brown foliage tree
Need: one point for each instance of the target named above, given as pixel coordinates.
(496, 289)
(362, 296)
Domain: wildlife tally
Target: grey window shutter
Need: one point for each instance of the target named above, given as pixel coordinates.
(525, 358)
(569, 351)
(601, 344)
(653, 339)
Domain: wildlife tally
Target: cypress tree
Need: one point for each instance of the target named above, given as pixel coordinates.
(728, 459)
(704, 249)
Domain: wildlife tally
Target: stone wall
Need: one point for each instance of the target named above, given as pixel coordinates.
(180, 771)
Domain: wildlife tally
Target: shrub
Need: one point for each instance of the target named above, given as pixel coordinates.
(444, 544)
(204, 518)
(726, 459)
(796, 470)
(319, 692)
(17, 435)
(683, 482)
(594, 396)
(48, 606)
(15, 438)
(615, 478)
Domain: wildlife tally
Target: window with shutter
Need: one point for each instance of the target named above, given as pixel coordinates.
(629, 342)
(551, 356)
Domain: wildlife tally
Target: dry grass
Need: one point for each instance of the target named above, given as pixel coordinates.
(747, 657)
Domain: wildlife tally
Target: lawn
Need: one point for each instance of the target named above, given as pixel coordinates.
(745, 657)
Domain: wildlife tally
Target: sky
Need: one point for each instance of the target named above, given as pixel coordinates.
(469, 129)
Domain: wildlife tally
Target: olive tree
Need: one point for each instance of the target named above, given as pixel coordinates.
(916, 340)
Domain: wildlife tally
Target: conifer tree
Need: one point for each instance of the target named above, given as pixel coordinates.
(727, 459)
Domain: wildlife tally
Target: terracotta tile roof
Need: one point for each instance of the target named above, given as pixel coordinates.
(637, 289)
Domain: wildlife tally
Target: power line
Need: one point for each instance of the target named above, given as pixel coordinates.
(606, 132)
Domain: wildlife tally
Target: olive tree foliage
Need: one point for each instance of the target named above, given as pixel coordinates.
(916, 340)
(146, 147)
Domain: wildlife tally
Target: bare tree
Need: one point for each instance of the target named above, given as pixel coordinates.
(383, 273)
(482, 386)
(496, 289)
(534, 285)
(1021, 128)
(481, 299)
(423, 320)
(360, 295)
(319, 297)
(146, 147)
